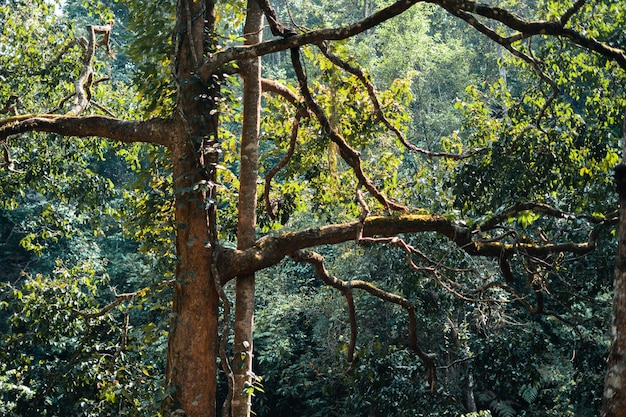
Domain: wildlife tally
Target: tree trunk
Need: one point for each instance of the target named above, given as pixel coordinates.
(246, 226)
(192, 350)
(614, 404)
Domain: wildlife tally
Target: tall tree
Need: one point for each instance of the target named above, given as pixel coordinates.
(199, 66)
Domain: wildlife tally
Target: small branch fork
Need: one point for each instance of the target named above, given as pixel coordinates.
(83, 83)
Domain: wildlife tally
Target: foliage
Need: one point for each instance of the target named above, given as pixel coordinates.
(83, 221)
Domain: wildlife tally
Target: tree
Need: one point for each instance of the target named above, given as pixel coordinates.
(200, 68)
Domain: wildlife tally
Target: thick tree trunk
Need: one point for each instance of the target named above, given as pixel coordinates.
(614, 404)
(244, 293)
(615, 380)
(192, 351)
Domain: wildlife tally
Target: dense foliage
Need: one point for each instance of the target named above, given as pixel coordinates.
(86, 226)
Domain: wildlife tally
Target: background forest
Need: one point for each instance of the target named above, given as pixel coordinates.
(86, 226)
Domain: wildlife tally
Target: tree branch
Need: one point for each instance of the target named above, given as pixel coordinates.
(348, 154)
(525, 29)
(119, 299)
(373, 96)
(270, 250)
(532, 28)
(83, 83)
(346, 287)
(245, 52)
(157, 131)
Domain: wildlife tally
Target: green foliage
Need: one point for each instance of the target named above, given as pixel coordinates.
(82, 220)
(150, 27)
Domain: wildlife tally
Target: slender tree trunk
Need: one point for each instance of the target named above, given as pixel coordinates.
(244, 293)
(614, 404)
(192, 349)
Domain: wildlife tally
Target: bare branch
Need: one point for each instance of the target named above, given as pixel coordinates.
(525, 29)
(245, 52)
(532, 28)
(277, 28)
(119, 299)
(270, 250)
(273, 86)
(83, 83)
(157, 131)
(345, 287)
(571, 12)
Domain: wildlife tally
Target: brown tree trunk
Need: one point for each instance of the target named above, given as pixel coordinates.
(244, 292)
(192, 350)
(614, 401)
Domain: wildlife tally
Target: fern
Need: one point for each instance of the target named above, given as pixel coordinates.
(503, 408)
(486, 396)
(529, 392)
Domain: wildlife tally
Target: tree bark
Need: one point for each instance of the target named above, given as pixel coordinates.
(614, 401)
(192, 350)
(246, 226)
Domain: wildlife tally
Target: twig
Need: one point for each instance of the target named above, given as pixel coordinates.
(373, 96)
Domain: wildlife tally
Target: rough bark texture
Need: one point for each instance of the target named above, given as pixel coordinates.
(246, 227)
(192, 350)
(614, 404)
(191, 365)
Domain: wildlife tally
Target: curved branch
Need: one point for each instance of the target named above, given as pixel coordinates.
(348, 154)
(531, 28)
(345, 287)
(373, 96)
(273, 86)
(246, 52)
(119, 299)
(157, 131)
(270, 250)
(277, 28)
(84, 81)
(525, 29)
